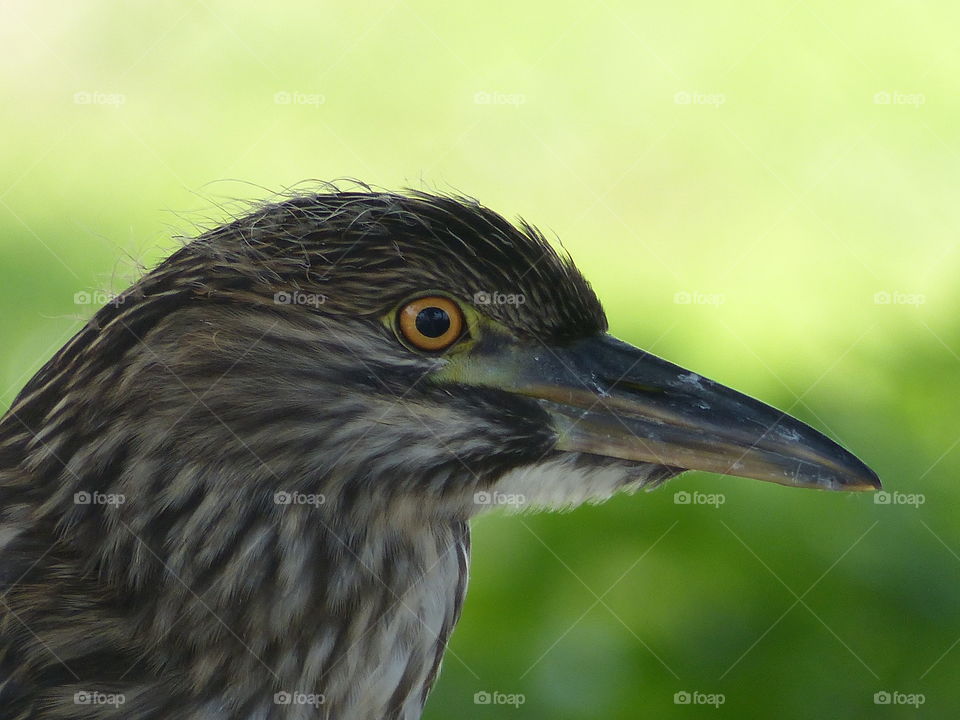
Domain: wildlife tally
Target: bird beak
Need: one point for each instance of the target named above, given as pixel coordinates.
(606, 397)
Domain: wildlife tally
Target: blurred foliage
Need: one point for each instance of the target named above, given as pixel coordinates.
(788, 168)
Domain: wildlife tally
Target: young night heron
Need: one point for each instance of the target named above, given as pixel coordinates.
(243, 490)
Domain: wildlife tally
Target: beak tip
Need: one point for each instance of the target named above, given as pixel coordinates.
(861, 477)
(854, 477)
(869, 482)
(858, 478)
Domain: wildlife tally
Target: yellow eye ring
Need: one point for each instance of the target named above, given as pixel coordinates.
(431, 323)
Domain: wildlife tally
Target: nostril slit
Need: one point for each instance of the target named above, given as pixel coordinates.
(636, 388)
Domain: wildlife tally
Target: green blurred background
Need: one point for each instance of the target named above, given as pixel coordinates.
(765, 192)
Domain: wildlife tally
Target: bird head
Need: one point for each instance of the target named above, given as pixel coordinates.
(419, 347)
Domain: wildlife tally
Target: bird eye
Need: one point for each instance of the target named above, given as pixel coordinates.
(431, 323)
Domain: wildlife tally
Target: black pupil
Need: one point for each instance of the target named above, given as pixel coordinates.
(433, 322)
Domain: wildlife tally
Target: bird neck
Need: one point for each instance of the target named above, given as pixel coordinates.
(360, 618)
(353, 618)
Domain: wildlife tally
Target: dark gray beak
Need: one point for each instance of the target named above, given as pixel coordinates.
(609, 398)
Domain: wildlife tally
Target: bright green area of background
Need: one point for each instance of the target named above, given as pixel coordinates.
(781, 163)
